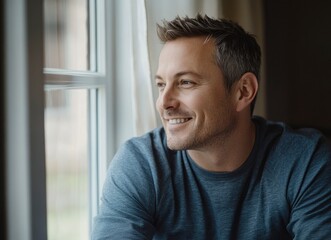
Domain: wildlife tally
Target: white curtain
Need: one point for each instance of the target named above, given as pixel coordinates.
(144, 117)
(133, 103)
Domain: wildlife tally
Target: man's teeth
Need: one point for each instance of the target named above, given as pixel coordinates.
(178, 120)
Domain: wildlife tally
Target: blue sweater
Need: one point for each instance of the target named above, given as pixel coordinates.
(282, 191)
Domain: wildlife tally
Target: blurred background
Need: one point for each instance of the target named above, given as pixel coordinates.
(77, 81)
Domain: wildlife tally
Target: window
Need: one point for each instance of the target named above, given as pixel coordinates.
(67, 149)
(77, 116)
(75, 106)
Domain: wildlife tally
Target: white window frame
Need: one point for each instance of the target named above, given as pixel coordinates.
(25, 81)
(99, 82)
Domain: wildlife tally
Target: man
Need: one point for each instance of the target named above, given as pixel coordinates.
(213, 171)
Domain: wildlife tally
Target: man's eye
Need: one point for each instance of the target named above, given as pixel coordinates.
(160, 85)
(186, 83)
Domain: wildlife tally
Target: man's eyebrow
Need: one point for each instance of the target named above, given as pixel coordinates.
(179, 74)
(187, 73)
(158, 77)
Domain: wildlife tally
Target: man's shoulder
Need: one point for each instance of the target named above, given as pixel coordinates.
(149, 149)
(292, 148)
(148, 142)
(285, 136)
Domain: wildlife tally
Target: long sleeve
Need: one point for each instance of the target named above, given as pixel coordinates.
(128, 201)
(311, 203)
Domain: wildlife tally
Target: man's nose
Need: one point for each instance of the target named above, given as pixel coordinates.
(169, 98)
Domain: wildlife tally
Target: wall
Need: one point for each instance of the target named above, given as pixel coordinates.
(249, 14)
(298, 49)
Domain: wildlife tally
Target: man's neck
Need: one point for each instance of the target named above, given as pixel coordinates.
(230, 153)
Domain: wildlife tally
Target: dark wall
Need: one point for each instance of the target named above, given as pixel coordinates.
(298, 57)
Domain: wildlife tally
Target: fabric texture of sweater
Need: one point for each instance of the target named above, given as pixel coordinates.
(282, 191)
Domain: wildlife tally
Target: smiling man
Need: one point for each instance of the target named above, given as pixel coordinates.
(213, 171)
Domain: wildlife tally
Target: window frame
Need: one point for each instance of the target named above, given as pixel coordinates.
(24, 115)
(98, 81)
(25, 81)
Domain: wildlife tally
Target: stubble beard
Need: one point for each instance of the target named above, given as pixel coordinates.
(205, 138)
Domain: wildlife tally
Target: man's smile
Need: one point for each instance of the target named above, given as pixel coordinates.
(175, 121)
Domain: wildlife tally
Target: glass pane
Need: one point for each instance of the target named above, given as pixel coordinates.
(66, 123)
(66, 34)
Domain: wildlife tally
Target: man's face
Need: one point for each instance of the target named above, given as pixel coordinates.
(195, 108)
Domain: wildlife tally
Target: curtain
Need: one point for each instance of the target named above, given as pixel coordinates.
(144, 117)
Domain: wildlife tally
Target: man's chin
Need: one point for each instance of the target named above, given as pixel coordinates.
(175, 148)
(176, 145)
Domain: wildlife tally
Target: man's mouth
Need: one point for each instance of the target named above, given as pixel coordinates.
(174, 121)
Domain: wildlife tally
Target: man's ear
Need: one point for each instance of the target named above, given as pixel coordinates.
(246, 90)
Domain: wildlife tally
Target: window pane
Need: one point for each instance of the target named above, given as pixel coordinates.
(66, 34)
(66, 123)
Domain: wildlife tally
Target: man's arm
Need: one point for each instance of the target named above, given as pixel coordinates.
(128, 200)
(311, 209)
